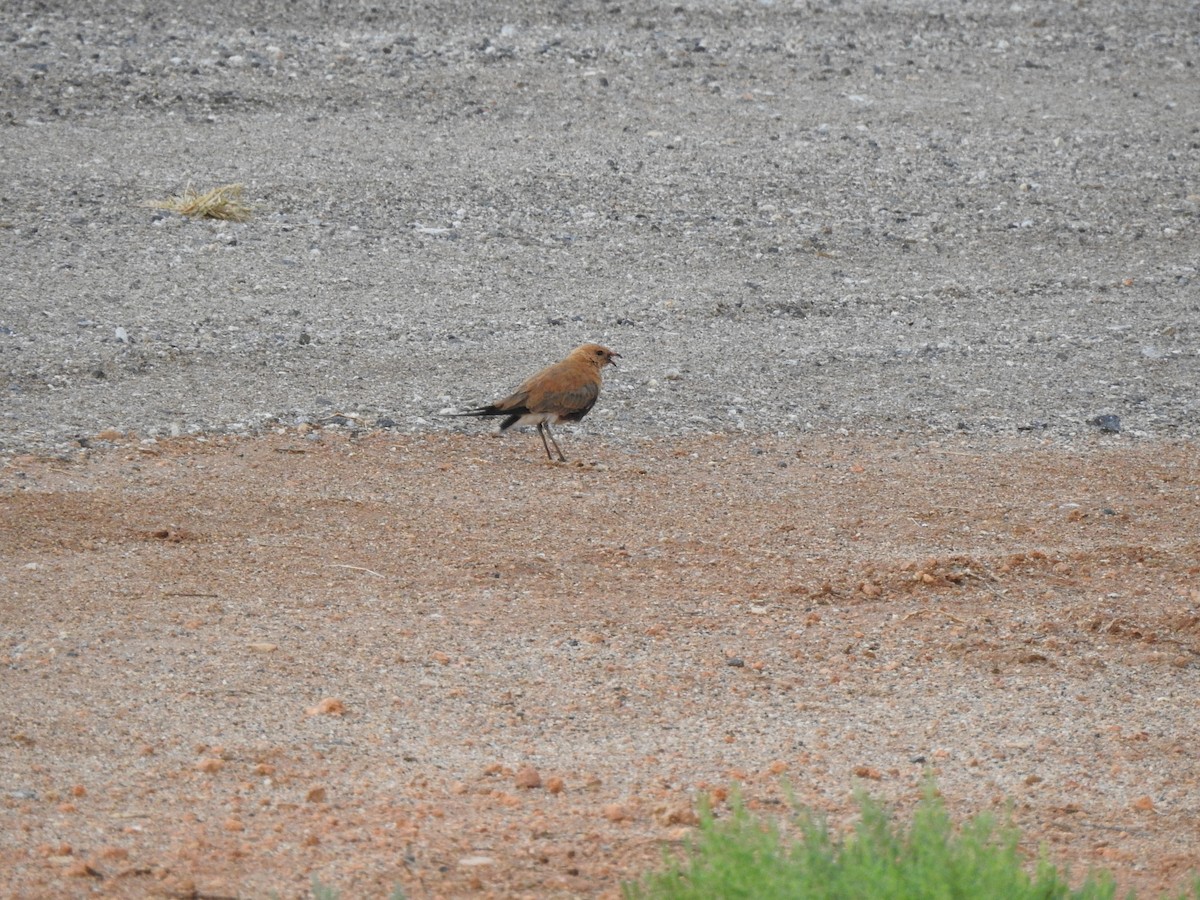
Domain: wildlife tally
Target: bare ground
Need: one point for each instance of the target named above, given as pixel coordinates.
(445, 663)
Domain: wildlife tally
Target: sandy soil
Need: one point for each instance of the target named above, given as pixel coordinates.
(442, 662)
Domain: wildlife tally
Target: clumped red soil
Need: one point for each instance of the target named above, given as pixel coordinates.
(445, 663)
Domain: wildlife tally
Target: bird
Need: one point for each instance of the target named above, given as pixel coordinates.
(564, 391)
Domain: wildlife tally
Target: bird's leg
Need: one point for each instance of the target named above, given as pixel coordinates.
(561, 458)
(541, 433)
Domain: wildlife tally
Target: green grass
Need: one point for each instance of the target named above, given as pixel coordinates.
(927, 860)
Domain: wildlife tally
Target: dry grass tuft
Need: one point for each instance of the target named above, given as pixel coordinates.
(223, 202)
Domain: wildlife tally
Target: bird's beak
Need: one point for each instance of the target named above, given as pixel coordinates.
(611, 357)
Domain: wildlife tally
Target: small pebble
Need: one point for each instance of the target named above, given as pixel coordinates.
(471, 862)
(528, 778)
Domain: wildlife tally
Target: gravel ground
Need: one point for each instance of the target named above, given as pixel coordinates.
(899, 469)
(786, 216)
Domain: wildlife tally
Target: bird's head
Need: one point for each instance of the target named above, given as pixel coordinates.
(596, 354)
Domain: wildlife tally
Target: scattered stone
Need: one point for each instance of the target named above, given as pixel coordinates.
(474, 862)
(1109, 424)
(615, 812)
(528, 778)
(330, 706)
(80, 869)
(678, 813)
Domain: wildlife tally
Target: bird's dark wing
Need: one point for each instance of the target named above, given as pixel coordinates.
(570, 405)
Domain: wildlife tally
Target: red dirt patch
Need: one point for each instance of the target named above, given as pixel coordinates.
(444, 663)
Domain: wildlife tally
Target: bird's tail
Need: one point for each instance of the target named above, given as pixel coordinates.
(492, 410)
